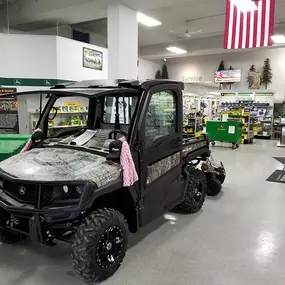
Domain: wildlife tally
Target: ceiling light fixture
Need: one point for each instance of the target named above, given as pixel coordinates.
(245, 5)
(278, 39)
(146, 20)
(176, 50)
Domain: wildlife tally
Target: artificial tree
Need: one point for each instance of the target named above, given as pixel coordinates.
(164, 72)
(158, 75)
(221, 65)
(266, 75)
(252, 68)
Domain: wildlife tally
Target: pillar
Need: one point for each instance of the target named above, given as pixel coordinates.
(122, 42)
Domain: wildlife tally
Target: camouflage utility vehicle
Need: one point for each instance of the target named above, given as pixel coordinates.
(69, 185)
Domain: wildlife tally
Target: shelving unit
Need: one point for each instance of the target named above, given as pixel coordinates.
(193, 117)
(193, 124)
(63, 119)
(257, 114)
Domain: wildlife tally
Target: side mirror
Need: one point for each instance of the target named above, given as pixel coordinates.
(37, 138)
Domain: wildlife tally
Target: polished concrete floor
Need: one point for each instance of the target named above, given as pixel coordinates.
(238, 238)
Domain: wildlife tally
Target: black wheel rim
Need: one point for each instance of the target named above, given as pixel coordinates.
(109, 247)
(198, 192)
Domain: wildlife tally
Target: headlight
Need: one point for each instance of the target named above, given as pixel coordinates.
(67, 192)
(79, 189)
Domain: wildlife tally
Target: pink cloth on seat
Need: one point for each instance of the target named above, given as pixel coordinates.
(130, 175)
(28, 145)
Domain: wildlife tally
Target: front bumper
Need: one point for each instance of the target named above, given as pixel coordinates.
(37, 221)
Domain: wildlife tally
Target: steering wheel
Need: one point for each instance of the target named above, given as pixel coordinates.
(115, 132)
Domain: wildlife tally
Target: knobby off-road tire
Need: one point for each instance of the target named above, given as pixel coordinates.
(214, 186)
(100, 245)
(196, 191)
(9, 237)
(221, 178)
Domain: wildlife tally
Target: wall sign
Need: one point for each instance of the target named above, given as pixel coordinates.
(264, 94)
(8, 111)
(192, 79)
(228, 94)
(228, 76)
(92, 59)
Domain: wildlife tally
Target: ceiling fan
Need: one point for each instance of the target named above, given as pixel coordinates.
(188, 34)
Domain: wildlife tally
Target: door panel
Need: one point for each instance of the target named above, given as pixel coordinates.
(160, 158)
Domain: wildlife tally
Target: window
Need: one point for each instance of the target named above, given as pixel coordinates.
(161, 116)
(80, 36)
(126, 109)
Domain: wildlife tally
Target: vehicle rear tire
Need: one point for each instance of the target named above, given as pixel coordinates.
(9, 237)
(100, 245)
(196, 191)
(214, 186)
(221, 178)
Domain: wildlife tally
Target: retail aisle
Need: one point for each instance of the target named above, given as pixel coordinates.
(238, 238)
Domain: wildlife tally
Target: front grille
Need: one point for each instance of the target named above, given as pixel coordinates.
(27, 193)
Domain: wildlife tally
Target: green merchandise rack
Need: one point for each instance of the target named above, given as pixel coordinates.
(11, 144)
(230, 131)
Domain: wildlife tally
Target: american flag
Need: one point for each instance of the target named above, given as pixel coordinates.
(249, 29)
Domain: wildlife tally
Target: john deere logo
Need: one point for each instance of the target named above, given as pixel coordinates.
(18, 82)
(22, 190)
(47, 82)
(222, 126)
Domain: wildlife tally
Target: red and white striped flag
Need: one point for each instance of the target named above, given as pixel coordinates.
(249, 29)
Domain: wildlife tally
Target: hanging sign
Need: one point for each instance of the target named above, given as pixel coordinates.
(228, 94)
(228, 76)
(264, 94)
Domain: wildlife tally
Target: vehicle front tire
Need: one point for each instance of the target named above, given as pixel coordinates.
(100, 245)
(196, 191)
(9, 237)
(214, 186)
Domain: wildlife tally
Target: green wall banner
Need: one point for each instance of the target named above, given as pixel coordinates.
(31, 81)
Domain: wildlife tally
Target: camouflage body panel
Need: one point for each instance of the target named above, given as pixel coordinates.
(159, 168)
(192, 147)
(61, 164)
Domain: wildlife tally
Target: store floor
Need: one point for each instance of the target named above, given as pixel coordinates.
(238, 237)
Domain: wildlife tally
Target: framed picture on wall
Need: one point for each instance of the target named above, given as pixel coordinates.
(92, 59)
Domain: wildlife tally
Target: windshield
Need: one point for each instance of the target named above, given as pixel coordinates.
(67, 114)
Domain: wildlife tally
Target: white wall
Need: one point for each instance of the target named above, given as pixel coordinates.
(148, 69)
(70, 61)
(27, 56)
(205, 66)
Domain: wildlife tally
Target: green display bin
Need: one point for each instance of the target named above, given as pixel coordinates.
(230, 131)
(11, 144)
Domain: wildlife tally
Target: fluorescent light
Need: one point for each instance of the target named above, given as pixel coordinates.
(278, 39)
(146, 20)
(245, 5)
(176, 50)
